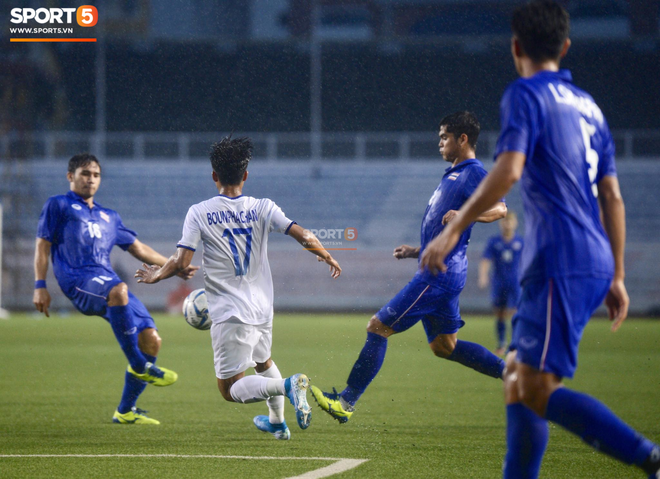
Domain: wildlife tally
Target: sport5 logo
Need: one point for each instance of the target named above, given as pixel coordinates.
(86, 15)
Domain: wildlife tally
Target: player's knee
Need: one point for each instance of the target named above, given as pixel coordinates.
(533, 392)
(118, 295)
(377, 327)
(149, 341)
(224, 388)
(443, 346)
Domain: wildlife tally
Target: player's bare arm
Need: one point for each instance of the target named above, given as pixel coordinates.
(406, 251)
(311, 243)
(174, 265)
(497, 212)
(614, 221)
(484, 271)
(148, 255)
(506, 172)
(41, 297)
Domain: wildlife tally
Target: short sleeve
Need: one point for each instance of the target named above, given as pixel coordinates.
(279, 223)
(191, 232)
(125, 237)
(51, 221)
(489, 251)
(518, 121)
(606, 165)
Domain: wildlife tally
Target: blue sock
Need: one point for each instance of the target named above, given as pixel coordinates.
(526, 439)
(133, 387)
(366, 367)
(597, 426)
(127, 336)
(501, 333)
(477, 357)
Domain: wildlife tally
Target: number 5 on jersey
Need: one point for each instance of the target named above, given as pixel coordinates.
(239, 268)
(592, 155)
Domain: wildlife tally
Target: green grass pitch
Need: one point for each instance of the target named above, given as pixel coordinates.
(61, 378)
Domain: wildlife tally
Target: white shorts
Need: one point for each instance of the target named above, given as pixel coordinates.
(238, 346)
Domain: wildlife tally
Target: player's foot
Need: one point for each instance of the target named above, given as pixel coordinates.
(331, 403)
(279, 431)
(652, 464)
(155, 375)
(500, 351)
(134, 416)
(296, 390)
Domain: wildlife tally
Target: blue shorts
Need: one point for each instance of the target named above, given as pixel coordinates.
(436, 307)
(89, 296)
(551, 317)
(505, 295)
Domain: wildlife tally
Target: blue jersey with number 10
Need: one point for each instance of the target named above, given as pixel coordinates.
(82, 237)
(569, 149)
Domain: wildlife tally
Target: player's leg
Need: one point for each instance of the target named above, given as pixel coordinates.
(149, 343)
(547, 351)
(234, 345)
(400, 314)
(500, 329)
(274, 423)
(526, 432)
(441, 325)
(121, 321)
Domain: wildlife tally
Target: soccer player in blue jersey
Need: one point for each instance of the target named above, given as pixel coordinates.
(555, 140)
(427, 298)
(503, 253)
(80, 233)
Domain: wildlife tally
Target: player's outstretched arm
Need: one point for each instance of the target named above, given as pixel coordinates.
(405, 251)
(497, 212)
(614, 221)
(506, 172)
(484, 270)
(177, 263)
(147, 254)
(41, 297)
(311, 243)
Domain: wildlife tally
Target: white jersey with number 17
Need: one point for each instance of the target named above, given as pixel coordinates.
(234, 232)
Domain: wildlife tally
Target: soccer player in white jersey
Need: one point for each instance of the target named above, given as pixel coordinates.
(234, 230)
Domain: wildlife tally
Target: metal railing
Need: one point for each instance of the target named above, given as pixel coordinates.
(357, 146)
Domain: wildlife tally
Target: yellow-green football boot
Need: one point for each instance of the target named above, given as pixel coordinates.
(134, 416)
(331, 403)
(154, 375)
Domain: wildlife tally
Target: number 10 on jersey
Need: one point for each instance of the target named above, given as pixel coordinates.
(239, 268)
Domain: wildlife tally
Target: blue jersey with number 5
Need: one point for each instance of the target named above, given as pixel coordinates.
(82, 237)
(569, 149)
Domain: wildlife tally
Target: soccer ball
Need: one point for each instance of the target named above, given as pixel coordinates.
(196, 310)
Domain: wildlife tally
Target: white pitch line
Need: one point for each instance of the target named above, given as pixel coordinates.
(341, 464)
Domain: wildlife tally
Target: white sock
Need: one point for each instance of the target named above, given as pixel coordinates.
(275, 403)
(256, 388)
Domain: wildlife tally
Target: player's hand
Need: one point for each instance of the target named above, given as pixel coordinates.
(437, 250)
(335, 269)
(41, 300)
(617, 302)
(405, 251)
(148, 274)
(187, 273)
(449, 215)
(483, 282)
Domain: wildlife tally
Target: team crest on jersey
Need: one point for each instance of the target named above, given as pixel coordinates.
(105, 216)
(76, 207)
(453, 176)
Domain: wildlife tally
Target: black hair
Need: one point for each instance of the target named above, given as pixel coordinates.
(81, 160)
(462, 122)
(230, 158)
(541, 27)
